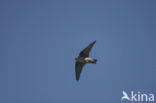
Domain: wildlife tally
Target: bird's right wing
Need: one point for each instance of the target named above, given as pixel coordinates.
(78, 69)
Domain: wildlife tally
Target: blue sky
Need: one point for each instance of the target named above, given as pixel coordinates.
(39, 40)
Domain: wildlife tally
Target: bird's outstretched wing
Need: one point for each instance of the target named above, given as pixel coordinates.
(78, 69)
(85, 52)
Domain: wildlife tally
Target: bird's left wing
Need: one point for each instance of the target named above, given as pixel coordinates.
(85, 52)
(78, 69)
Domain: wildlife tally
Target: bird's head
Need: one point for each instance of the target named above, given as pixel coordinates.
(76, 58)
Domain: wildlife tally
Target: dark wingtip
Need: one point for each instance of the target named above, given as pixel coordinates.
(77, 80)
(94, 42)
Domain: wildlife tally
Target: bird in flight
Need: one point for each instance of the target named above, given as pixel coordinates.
(82, 59)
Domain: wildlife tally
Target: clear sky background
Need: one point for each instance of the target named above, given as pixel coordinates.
(39, 40)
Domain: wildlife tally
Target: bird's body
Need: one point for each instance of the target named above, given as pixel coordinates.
(90, 60)
(82, 59)
(85, 60)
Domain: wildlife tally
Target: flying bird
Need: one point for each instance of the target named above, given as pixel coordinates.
(82, 59)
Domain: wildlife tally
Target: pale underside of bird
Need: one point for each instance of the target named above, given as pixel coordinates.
(82, 59)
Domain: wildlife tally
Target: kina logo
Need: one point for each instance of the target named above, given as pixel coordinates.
(138, 96)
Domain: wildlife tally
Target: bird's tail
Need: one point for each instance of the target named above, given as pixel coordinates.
(95, 60)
